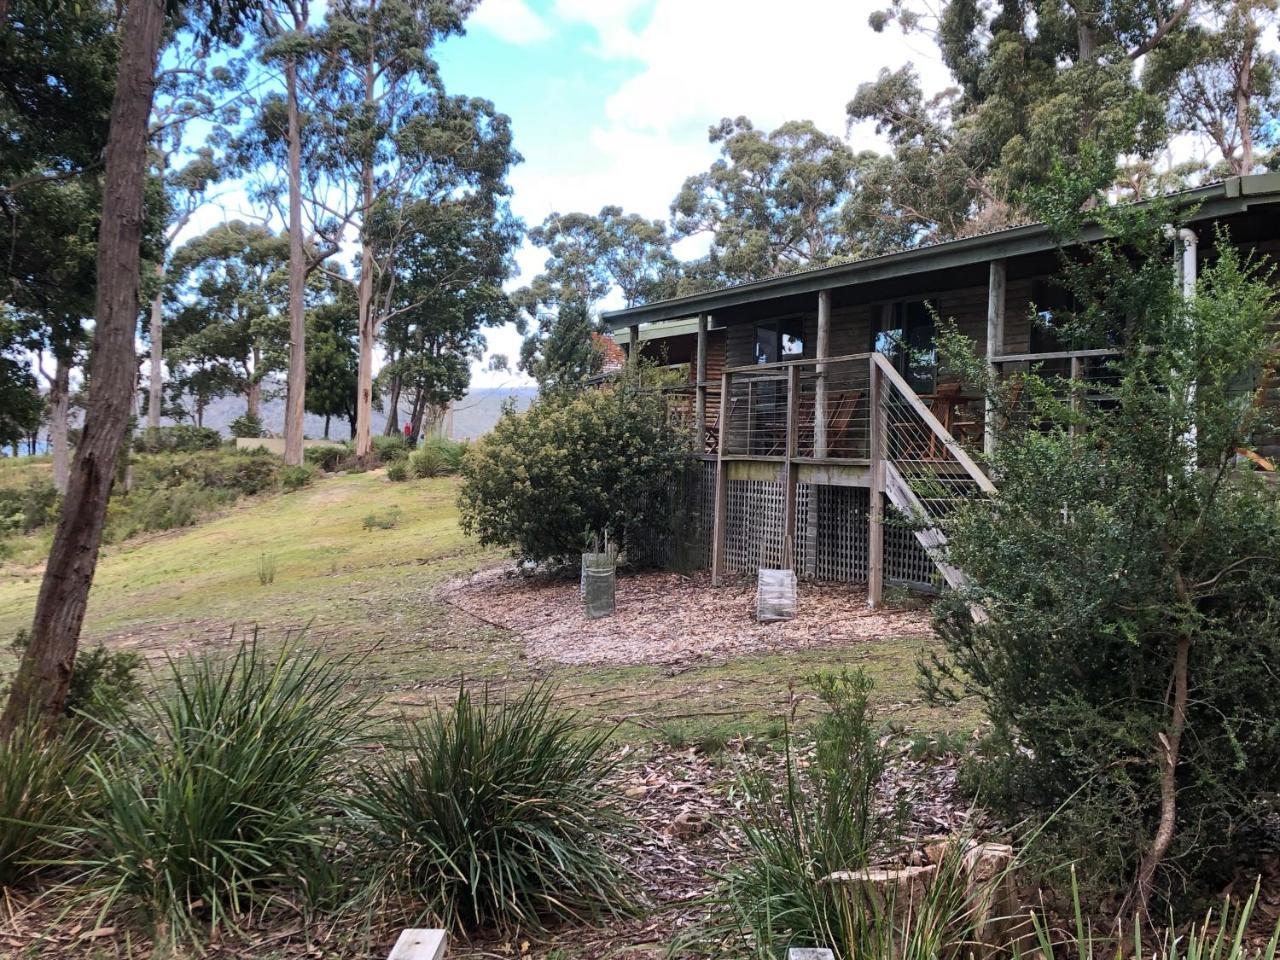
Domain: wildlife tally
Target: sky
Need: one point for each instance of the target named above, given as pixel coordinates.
(610, 100)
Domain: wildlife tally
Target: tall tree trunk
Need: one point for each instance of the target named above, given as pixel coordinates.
(296, 386)
(364, 295)
(326, 426)
(253, 396)
(392, 426)
(44, 676)
(155, 374)
(1244, 90)
(59, 406)
(368, 327)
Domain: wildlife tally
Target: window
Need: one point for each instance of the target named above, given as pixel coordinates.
(906, 336)
(780, 340)
(1052, 305)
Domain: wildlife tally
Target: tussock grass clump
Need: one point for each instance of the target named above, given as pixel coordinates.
(495, 815)
(428, 461)
(43, 791)
(218, 798)
(826, 817)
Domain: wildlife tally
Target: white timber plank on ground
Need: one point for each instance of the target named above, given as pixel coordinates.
(810, 953)
(419, 945)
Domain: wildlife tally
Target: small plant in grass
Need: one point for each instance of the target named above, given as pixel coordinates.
(266, 569)
(43, 791)
(385, 520)
(218, 799)
(495, 814)
(398, 472)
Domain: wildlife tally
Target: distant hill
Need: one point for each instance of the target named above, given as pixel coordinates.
(473, 416)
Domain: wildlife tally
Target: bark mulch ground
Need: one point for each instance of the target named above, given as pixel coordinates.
(671, 618)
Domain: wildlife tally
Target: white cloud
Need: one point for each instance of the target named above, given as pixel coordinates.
(510, 20)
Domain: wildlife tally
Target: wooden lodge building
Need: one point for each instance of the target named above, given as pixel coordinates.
(814, 419)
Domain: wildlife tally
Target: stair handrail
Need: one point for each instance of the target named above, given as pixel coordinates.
(933, 423)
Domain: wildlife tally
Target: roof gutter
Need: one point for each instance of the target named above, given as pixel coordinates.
(1216, 200)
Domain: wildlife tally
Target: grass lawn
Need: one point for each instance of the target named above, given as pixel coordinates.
(371, 589)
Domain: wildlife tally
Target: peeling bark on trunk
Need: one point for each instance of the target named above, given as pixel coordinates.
(296, 384)
(364, 294)
(44, 675)
(59, 405)
(155, 372)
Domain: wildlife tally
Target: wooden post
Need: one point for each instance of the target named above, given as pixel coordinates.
(875, 492)
(419, 945)
(722, 487)
(633, 341)
(996, 285)
(820, 388)
(700, 390)
(791, 478)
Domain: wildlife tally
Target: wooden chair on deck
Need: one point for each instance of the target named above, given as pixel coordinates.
(841, 406)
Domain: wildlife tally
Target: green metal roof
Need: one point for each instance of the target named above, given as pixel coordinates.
(1214, 200)
(679, 327)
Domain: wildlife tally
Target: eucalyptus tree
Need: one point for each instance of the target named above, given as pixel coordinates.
(333, 357)
(589, 257)
(225, 293)
(1222, 82)
(442, 290)
(391, 131)
(1035, 80)
(771, 201)
(190, 88)
(44, 675)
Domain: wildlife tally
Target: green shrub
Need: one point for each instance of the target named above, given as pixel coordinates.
(104, 683)
(247, 425)
(397, 473)
(391, 448)
(218, 799)
(245, 472)
(825, 817)
(428, 461)
(328, 457)
(1122, 574)
(295, 478)
(28, 507)
(604, 460)
(179, 438)
(43, 792)
(496, 814)
(163, 508)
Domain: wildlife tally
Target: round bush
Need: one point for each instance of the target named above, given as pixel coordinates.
(397, 472)
(545, 479)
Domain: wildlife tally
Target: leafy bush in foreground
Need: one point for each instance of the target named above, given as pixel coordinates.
(603, 460)
(43, 791)
(220, 795)
(1128, 569)
(495, 814)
